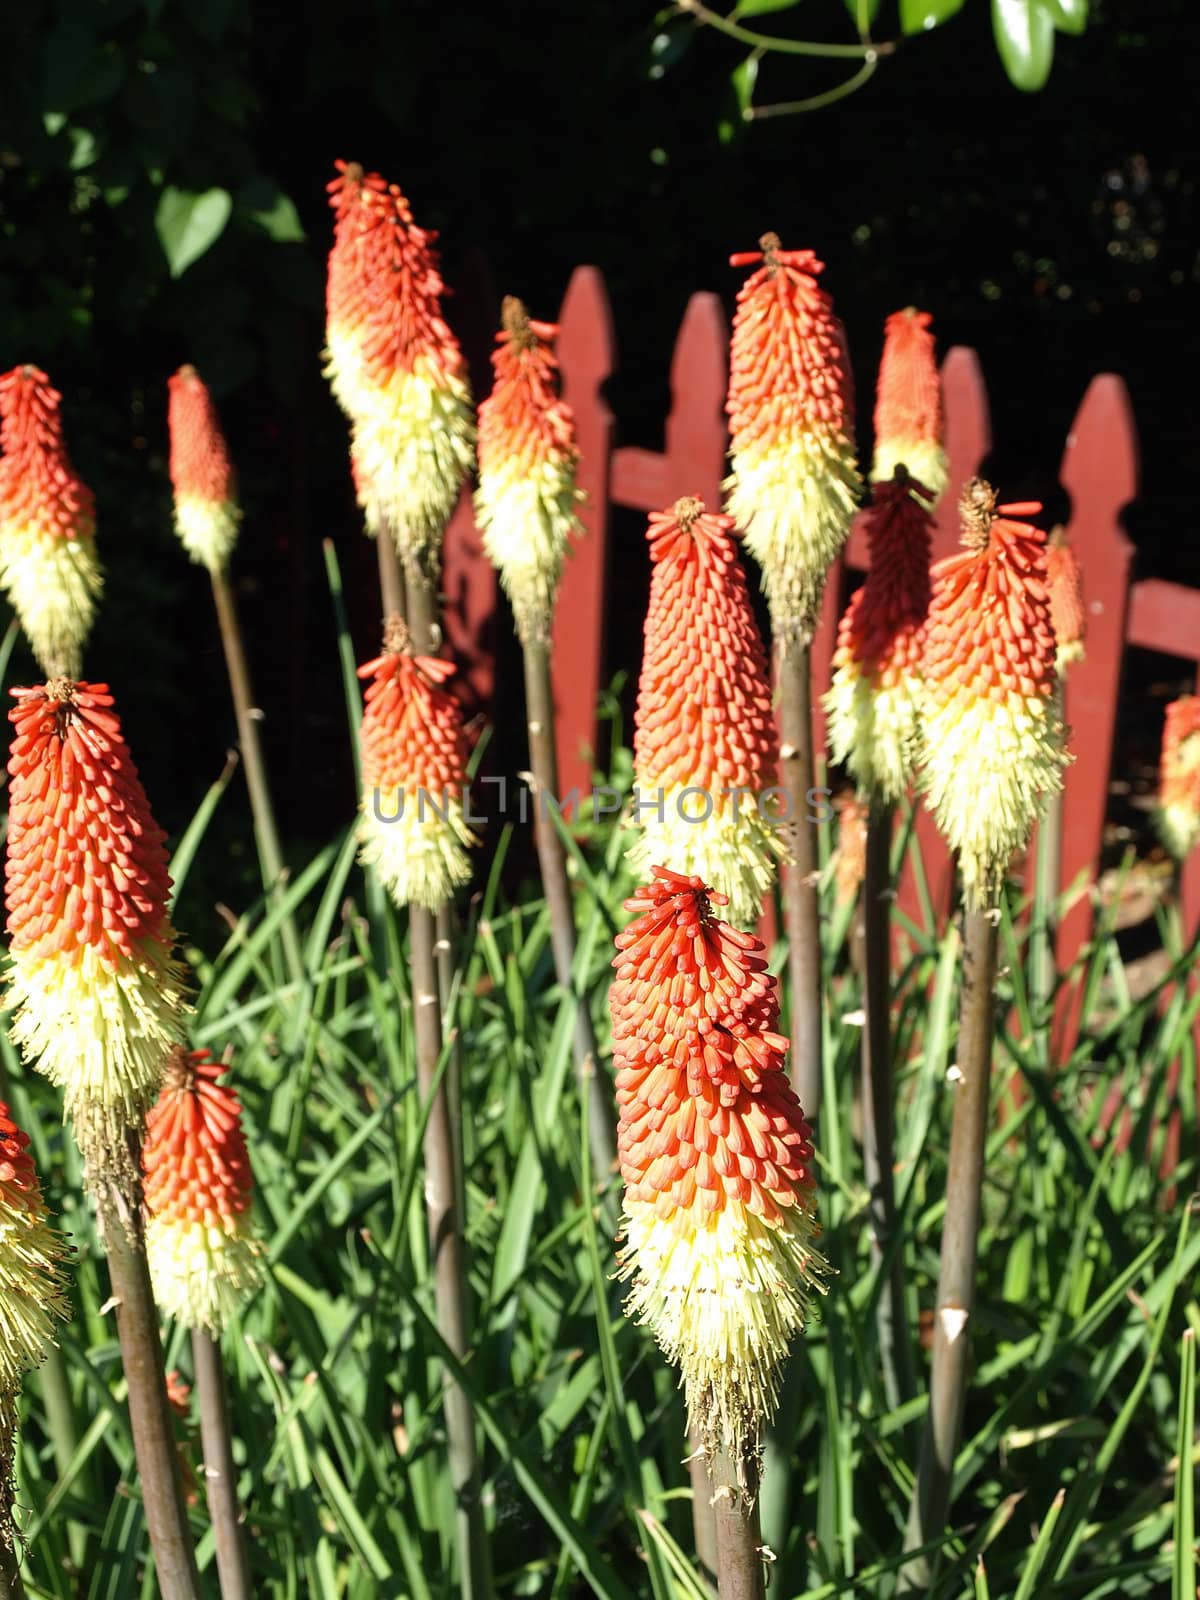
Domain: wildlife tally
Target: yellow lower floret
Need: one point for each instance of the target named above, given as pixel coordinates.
(526, 517)
(101, 1036)
(724, 1295)
(985, 771)
(31, 1291)
(53, 584)
(201, 1273)
(417, 844)
(207, 529)
(874, 730)
(414, 444)
(925, 460)
(734, 849)
(1179, 829)
(794, 500)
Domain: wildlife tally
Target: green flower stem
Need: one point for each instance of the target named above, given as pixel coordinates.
(220, 1474)
(739, 1542)
(801, 894)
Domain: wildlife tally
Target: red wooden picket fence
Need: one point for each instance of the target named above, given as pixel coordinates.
(1099, 470)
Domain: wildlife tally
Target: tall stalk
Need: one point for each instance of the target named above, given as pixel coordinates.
(960, 1250)
(1047, 876)
(543, 759)
(801, 897)
(11, 1587)
(739, 1542)
(446, 1242)
(220, 1475)
(391, 578)
(265, 832)
(120, 1212)
(878, 1103)
(704, 1515)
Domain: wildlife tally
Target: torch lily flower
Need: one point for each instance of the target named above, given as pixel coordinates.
(205, 484)
(705, 745)
(48, 563)
(200, 1243)
(414, 770)
(1066, 600)
(719, 1215)
(527, 496)
(795, 480)
(33, 1294)
(95, 993)
(908, 405)
(874, 696)
(992, 730)
(395, 367)
(1179, 783)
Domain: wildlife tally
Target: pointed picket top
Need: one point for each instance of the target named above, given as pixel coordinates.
(968, 422)
(587, 357)
(697, 433)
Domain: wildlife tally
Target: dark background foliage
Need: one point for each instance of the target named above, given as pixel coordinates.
(1055, 232)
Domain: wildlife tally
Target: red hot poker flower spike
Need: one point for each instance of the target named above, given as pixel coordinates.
(908, 404)
(874, 699)
(1179, 782)
(794, 479)
(414, 770)
(48, 563)
(716, 1157)
(203, 1255)
(202, 475)
(993, 739)
(527, 497)
(97, 999)
(705, 743)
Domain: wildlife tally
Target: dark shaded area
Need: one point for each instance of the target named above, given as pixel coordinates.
(1057, 233)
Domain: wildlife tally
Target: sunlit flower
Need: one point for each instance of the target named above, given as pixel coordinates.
(795, 480)
(414, 769)
(874, 697)
(396, 368)
(204, 1257)
(527, 496)
(908, 404)
(206, 501)
(1179, 777)
(1066, 600)
(48, 563)
(705, 747)
(719, 1216)
(95, 993)
(33, 1296)
(993, 739)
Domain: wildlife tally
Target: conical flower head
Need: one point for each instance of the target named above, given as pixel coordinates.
(1066, 600)
(206, 501)
(874, 698)
(791, 415)
(48, 563)
(527, 496)
(414, 770)
(96, 997)
(716, 1158)
(993, 739)
(705, 747)
(1179, 777)
(396, 368)
(908, 404)
(33, 1296)
(204, 1257)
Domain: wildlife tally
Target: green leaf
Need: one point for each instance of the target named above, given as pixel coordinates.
(918, 16)
(869, 9)
(759, 8)
(266, 205)
(1025, 39)
(189, 224)
(743, 79)
(1068, 16)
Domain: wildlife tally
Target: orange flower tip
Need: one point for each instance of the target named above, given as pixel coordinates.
(1178, 815)
(412, 824)
(706, 747)
(527, 500)
(204, 1256)
(207, 513)
(794, 481)
(48, 563)
(719, 1223)
(96, 996)
(908, 404)
(993, 738)
(33, 1291)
